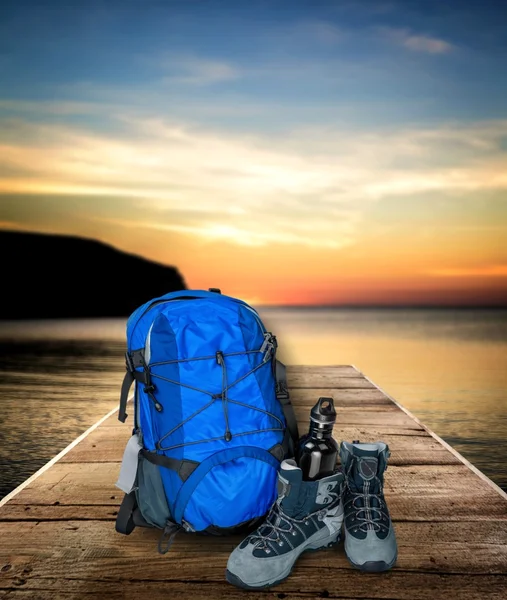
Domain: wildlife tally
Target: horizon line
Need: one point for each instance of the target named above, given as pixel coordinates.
(388, 306)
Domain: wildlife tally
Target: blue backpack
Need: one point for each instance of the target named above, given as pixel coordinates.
(212, 417)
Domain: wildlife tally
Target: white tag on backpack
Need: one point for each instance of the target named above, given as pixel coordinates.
(128, 469)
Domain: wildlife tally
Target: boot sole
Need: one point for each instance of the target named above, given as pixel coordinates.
(235, 580)
(374, 566)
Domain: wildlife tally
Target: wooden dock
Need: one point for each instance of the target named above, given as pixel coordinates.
(58, 538)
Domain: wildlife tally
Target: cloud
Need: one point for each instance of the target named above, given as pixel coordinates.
(51, 107)
(416, 42)
(310, 188)
(486, 271)
(198, 71)
(312, 31)
(251, 235)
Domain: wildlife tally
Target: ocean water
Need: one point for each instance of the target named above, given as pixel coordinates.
(448, 367)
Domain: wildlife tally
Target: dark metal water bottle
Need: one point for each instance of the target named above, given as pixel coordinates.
(317, 450)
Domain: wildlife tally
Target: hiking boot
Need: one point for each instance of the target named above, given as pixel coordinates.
(370, 541)
(307, 515)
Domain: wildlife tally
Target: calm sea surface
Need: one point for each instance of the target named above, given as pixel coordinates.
(448, 367)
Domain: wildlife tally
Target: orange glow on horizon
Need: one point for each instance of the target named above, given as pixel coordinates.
(276, 222)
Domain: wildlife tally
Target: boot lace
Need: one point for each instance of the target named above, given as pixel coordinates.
(375, 513)
(273, 524)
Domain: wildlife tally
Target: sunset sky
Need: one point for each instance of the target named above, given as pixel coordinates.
(287, 152)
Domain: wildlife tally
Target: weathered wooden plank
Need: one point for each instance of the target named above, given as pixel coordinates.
(98, 409)
(388, 415)
(423, 492)
(87, 561)
(59, 541)
(374, 416)
(406, 455)
(118, 434)
(326, 380)
(113, 421)
(47, 394)
(79, 551)
(420, 492)
(383, 415)
(357, 397)
(339, 394)
(57, 512)
(93, 534)
(374, 433)
(303, 584)
(105, 379)
(40, 589)
(333, 370)
(106, 444)
(405, 450)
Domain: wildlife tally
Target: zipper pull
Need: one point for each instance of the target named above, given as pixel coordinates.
(149, 389)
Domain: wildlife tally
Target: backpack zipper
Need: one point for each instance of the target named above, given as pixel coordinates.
(256, 315)
(157, 302)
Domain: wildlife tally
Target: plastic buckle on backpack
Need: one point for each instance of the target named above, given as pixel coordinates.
(266, 342)
(282, 393)
(274, 341)
(269, 346)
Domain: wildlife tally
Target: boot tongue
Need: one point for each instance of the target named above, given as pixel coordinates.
(290, 478)
(365, 468)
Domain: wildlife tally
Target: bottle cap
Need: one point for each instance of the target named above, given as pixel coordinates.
(323, 411)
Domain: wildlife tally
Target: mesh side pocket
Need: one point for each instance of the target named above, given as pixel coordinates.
(150, 494)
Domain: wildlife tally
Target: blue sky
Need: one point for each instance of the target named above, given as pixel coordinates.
(365, 136)
(276, 63)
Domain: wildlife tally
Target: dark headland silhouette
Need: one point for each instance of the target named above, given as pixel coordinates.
(47, 276)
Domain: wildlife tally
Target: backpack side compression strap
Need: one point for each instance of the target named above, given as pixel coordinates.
(182, 466)
(129, 516)
(282, 393)
(125, 518)
(133, 360)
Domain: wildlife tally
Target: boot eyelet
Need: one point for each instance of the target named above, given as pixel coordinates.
(280, 543)
(307, 522)
(267, 551)
(294, 533)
